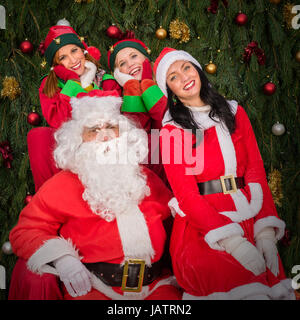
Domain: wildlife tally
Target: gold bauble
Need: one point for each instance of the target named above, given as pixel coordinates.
(161, 33)
(297, 56)
(211, 68)
(11, 88)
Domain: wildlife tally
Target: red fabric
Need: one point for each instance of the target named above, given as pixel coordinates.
(161, 55)
(199, 269)
(64, 73)
(40, 142)
(58, 207)
(26, 285)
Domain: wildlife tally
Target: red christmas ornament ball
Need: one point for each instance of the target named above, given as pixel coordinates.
(28, 198)
(241, 19)
(114, 32)
(26, 46)
(33, 118)
(269, 88)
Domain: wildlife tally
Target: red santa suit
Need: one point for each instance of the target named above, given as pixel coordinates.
(58, 222)
(200, 264)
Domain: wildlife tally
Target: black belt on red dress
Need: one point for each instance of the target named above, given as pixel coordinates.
(113, 274)
(226, 184)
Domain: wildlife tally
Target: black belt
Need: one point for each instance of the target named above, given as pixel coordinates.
(131, 277)
(226, 184)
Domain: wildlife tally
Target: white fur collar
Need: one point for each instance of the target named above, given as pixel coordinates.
(201, 117)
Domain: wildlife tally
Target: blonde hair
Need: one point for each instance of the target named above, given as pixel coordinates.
(51, 86)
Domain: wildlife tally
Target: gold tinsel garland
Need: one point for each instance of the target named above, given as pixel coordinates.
(275, 186)
(288, 15)
(11, 88)
(179, 30)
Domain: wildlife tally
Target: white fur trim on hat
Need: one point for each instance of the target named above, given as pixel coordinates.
(165, 63)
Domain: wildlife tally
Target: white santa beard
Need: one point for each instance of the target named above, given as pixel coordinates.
(114, 190)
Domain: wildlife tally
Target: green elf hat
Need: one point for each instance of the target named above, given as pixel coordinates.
(59, 36)
(126, 43)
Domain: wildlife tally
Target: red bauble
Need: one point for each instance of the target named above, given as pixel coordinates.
(26, 46)
(114, 32)
(28, 198)
(241, 19)
(269, 88)
(33, 118)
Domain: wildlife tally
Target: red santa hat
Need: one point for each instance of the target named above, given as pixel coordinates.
(166, 58)
(126, 43)
(59, 36)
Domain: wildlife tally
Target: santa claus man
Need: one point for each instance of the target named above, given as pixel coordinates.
(98, 224)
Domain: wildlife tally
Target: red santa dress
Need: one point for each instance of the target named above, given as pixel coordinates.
(58, 221)
(200, 264)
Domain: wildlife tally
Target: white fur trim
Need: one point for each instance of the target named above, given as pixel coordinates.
(174, 206)
(165, 63)
(270, 221)
(109, 292)
(244, 209)
(215, 235)
(51, 250)
(88, 76)
(253, 291)
(134, 235)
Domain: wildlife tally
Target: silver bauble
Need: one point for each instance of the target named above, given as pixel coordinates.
(63, 22)
(7, 248)
(278, 129)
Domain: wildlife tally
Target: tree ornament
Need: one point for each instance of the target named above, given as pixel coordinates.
(28, 198)
(63, 22)
(251, 48)
(241, 19)
(6, 152)
(278, 129)
(11, 88)
(26, 46)
(179, 30)
(43, 64)
(211, 68)
(161, 33)
(297, 56)
(33, 118)
(269, 88)
(274, 1)
(275, 186)
(114, 32)
(214, 4)
(7, 248)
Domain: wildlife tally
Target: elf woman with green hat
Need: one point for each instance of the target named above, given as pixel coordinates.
(143, 101)
(74, 68)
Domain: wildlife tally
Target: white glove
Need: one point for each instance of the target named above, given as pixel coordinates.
(121, 77)
(245, 253)
(266, 245)
(89, 74)
(74, 275)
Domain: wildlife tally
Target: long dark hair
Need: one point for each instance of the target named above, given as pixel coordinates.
(219, 106)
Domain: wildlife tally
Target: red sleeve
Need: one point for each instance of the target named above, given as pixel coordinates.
(255, 171)
(110, 84)
(185, 189)
(57, 109)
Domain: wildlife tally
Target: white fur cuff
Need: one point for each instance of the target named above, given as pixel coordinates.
(270, 221)
(51, 250)
(229, 230)
(174, 207)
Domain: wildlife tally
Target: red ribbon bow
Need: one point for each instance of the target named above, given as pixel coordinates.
(213, 8)
(251, 48)
(6, 152)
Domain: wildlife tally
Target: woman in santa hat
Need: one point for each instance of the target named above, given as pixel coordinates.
(74, 68)
(143, 101)
(223, 243)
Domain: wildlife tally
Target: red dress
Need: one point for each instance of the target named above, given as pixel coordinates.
(200, 265)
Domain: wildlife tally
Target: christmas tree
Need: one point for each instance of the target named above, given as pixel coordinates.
(250, 51)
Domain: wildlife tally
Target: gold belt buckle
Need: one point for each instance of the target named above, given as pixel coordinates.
(141, 275)
(233, 184)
